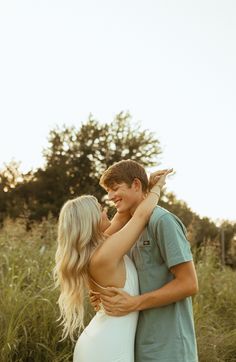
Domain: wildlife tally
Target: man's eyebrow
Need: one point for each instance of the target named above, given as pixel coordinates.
(112, 186)
(115, 186)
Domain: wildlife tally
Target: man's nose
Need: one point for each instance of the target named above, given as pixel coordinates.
(111, 195)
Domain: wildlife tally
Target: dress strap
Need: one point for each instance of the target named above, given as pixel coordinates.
(126, 272)
(98, 285)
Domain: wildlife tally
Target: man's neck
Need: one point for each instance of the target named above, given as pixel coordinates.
(132, 210)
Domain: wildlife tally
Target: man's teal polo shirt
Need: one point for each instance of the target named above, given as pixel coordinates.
(164, 334)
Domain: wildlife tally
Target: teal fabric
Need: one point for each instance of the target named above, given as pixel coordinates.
(164, 334)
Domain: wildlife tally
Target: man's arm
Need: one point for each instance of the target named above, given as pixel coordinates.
(174, 248)
(183, 285)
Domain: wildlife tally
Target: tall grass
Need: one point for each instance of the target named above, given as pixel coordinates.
(28, 310)
(215, 310)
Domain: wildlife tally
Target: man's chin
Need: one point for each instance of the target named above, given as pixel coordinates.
(121, 209)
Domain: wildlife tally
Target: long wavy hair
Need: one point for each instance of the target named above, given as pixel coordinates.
(79, 234)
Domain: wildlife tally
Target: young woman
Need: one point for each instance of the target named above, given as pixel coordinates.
(87, 257)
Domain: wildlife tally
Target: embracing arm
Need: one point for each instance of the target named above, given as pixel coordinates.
(118, 221)
(175, 251)
(183, 285)
(118, 244)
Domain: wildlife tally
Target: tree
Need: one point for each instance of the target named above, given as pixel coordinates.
(10, 179)
(199, 229)
(177, 207)
(227, 241)
(74, 161)
(76, 158)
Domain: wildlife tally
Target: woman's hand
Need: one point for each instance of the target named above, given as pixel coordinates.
(158, 178)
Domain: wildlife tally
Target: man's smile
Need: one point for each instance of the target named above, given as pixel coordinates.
(117, 202)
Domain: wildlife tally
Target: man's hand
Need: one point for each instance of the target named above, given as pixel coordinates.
(120, 304)
(95, 300)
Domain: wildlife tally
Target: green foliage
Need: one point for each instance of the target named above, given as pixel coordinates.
(215, 309)
(14, 192)
(28, 313)
(75, 160)
(199, 229)
(29, 330)
(203, 231)
(229, 231)
(179, 208)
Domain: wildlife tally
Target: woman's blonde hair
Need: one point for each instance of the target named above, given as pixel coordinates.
(78, 236)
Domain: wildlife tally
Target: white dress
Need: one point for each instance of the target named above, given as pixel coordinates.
(110, 339)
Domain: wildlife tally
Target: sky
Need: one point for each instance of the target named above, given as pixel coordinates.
(171, 64)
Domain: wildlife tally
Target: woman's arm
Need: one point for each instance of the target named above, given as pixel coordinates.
(118, 244)
(117, 222)
(120, 219)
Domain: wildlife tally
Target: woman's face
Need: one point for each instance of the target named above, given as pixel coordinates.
(105, 222)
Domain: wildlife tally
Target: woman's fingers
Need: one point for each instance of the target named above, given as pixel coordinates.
(161, 173)
(158, 173)
(159, 176)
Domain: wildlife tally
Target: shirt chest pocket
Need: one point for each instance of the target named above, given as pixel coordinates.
(145, 255)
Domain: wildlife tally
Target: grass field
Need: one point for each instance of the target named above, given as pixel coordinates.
(28, 310)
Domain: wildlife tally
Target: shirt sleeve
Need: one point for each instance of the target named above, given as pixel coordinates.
(171, 239)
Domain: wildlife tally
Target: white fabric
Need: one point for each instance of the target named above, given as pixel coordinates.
(110, 339)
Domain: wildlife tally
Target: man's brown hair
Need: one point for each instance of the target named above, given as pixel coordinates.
(124, 171)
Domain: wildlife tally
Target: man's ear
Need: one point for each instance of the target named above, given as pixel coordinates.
(137, 184)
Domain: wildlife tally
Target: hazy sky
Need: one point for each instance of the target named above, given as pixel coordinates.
(171, 64)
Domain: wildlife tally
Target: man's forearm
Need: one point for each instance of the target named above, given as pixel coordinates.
(183, 285)
(172, 292)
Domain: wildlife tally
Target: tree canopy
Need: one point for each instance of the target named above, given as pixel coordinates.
(74, 161)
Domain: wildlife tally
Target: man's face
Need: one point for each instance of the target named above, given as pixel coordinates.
(125, 198)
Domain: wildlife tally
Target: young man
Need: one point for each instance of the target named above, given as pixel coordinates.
(166, 272)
